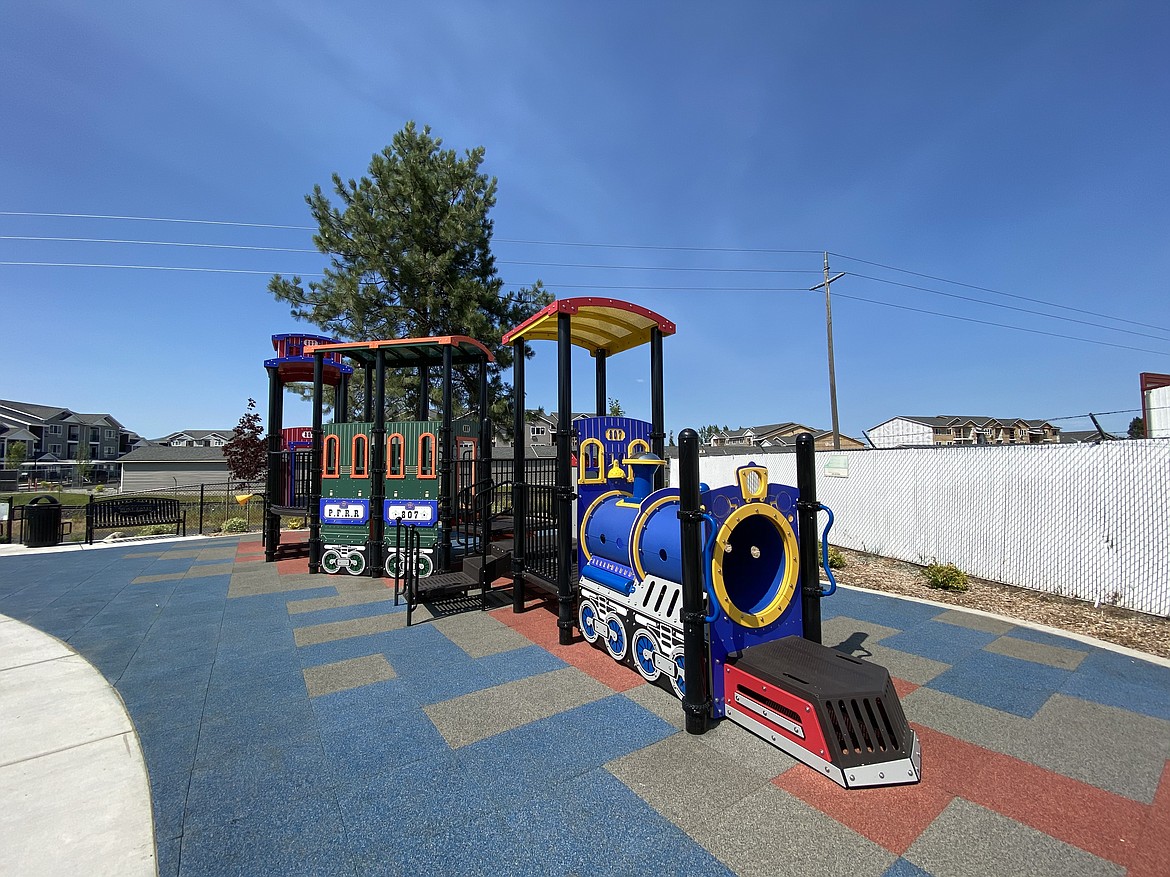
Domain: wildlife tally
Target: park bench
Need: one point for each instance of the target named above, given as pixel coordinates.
(105, 514)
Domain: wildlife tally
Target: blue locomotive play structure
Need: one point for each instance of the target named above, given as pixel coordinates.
(712, 593)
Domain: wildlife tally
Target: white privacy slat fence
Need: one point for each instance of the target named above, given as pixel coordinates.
(1087, 521)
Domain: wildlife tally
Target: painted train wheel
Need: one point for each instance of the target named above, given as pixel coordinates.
(645, 648)
(393, 565)
(424, 566)
(587, 620)
(678, 682)
(331, 561)
(355, 563)
(616, 640)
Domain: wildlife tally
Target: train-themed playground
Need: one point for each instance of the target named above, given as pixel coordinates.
(711, 592)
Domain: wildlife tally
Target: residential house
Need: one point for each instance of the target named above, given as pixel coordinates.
(780, 435)
(196, 438)
(157, 467)
(954, 429)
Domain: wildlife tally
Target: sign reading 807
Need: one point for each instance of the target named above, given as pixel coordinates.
(418, 513)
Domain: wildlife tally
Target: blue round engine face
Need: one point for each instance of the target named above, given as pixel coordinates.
(644, 649)
(616, 640)
(588, 622)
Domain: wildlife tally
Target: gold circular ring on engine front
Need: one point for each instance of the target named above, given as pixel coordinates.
(589, 513)
(783, 595)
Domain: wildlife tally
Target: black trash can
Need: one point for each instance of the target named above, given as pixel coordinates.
(42, 522)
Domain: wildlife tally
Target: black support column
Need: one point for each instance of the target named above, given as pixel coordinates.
(315, 490)
(483, 475)
(657, 417)
(446, 470)
(565, 609)
(696, 701)
(375, 547)
(424, 392)
(368, 402)
(599, 369)
(519, 489)
(806, 523)
(341, 400)
(277, 473)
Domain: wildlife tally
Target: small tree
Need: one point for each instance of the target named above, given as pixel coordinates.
(1137, 428)
(84, 462)
(17, 453)
(245, 453)
(615, 408)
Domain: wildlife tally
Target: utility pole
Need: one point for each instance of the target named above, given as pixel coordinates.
(829, 329)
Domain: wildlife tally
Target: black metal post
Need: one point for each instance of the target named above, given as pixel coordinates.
(273, 477)
(368, 402)
(201, 511)
(315, 489)
(806, 524)
(424, 392)
(599, 369)
(341, 400)
(375, 547)
(483, 476)
(519, 489)
(446, 469)
(657, 417)
(696, 700)
(565, 608)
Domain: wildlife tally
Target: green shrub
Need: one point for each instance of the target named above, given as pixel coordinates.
(945, 577)
(294, 523)
(157, 530)
(234, 525)
(836, 558)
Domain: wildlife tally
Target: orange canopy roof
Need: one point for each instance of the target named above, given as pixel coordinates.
(410, 351)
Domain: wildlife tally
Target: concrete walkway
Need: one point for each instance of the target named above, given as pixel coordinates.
(293, 724)
(74, 793)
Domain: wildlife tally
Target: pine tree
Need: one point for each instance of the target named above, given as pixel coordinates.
(410, 256)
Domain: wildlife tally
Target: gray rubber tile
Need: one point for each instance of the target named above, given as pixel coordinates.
(771, 832)
(217, 554)
(480, 635)
(973, 621)
(1038, 653)
(143, 554)
(677, 776)
(258, 579)
(335, 630)
(202, 571)
(903, 665)
(987, 727)
(472, 717)
(354, 598)
(660, 702)
(343, 675)
(1111, 748)
(853, 636)
(745, 748)
(184, 553)
(966, 840)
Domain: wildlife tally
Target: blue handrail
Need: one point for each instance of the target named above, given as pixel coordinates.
(708, 557)
(825, 553)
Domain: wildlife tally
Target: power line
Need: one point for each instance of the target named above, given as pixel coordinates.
(995, 291)
(1003, 325)
(155, 268)
(155, 219)
(992, 304)
(661, 267)
(18, 237)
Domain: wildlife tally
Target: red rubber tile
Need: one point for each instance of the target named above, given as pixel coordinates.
(1102, 823)
(1150, 856)
(539, 625)
(294, 566)
(903, 687)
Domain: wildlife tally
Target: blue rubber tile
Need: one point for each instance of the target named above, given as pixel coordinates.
(878, 608)
(377, 703)
(345, 613)
(1003, 683)
(353, 647)
(168, 856)
(168, 750)
(305, 838)
(902, 868)
(1116, 680)
(940, 641)
(519, 663)
(238, 788)
(432, 683)
(508, 766)
(168, 798)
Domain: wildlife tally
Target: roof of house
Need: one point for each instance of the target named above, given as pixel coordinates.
(944, 420)
(169, 454)
(196, 434)
(37, 412)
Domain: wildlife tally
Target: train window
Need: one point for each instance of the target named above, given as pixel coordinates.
(394, 445)
(361, 456)
(331, 453)
(633, 450)
(591, 462)
(426, 455)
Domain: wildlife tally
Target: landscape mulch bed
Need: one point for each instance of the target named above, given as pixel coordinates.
(1135, 630)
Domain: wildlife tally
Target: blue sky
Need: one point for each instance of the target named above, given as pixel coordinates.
(715, 150)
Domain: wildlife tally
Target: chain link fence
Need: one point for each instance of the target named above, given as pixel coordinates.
(1090, 521)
